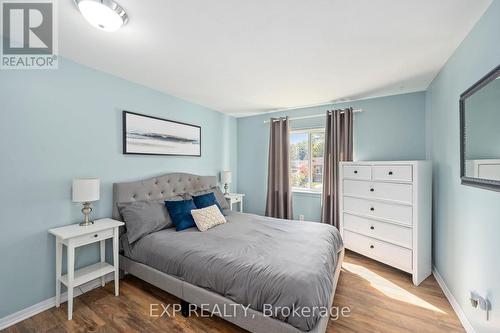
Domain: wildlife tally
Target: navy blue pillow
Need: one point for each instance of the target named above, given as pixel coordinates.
(180, 213)
(206, 200)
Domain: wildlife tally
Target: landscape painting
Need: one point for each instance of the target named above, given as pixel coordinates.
(148, 135)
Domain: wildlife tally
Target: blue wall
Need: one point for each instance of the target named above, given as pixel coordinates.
(60, 124)
(389, 128)
(466, 220)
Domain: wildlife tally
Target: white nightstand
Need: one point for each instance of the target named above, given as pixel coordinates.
(234, 198)
(74, 236)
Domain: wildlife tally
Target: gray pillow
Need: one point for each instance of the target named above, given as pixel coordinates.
(144, 217)
(216, 191)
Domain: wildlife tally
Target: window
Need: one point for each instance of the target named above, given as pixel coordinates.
(306, 159)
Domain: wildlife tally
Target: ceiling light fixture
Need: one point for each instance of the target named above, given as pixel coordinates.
(106, 15)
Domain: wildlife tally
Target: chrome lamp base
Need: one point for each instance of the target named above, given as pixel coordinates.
(226, 186)
(86, 211)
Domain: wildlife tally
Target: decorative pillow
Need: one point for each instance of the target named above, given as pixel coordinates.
(209, 217)
(180, 213)
(218, 195)
(144, 217)
(205, 200)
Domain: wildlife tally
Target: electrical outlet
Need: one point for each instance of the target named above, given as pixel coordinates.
(301, 217)
(483, 303)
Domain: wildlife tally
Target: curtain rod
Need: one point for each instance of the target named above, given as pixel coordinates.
(312, 116)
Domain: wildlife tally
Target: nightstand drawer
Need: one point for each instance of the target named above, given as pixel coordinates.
(92, 237)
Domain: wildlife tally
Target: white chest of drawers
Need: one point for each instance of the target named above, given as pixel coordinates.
(385, 213)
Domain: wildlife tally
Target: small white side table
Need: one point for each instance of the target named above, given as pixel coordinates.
(234, 198)
(74, 236)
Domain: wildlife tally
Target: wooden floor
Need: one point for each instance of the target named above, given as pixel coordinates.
(380, 299)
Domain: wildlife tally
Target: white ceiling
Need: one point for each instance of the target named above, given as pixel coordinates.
(243, 57)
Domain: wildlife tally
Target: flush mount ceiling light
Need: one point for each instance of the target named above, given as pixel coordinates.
(106, 15)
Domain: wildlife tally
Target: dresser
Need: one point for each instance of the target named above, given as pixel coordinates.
(385, 213)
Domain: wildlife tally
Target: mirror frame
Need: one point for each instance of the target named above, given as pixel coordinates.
(493, 185)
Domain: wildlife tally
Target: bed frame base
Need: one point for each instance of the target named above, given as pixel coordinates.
(184, 308)
(254, 321)
(160, 188)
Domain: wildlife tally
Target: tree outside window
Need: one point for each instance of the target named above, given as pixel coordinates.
(306, 159)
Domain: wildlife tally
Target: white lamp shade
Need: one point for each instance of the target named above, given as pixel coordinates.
(225, 177)
(86, 189)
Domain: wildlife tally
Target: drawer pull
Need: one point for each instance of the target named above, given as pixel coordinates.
(372, 209)
(372, 190)
(372, 228)
(355, 171)
(371, 246)
(95, 235)
(390, 173)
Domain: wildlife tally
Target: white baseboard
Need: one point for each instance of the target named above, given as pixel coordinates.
(49, 303)
(454, 304)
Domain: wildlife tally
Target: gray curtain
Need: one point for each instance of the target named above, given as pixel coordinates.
(279, 195)
(338, 147)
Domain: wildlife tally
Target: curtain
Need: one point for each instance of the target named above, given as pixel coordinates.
(279, 195)
(338, 147)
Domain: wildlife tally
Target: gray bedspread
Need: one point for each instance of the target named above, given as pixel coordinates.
(252, 260)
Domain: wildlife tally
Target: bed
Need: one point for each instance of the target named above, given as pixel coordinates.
(264, 263)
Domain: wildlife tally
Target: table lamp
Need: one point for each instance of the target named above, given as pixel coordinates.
(225, 177)
(86, 190)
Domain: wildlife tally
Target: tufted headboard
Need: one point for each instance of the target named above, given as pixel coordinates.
(158, 188)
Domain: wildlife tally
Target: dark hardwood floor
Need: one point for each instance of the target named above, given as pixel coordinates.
(379, 298)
